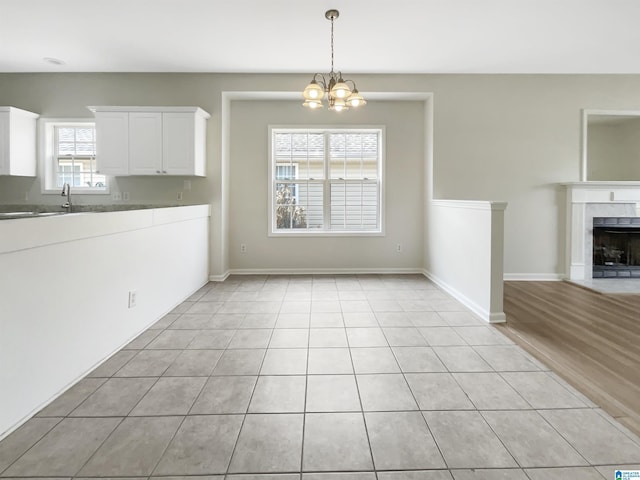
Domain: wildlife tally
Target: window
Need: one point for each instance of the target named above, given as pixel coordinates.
(326, 181)
(69, 156)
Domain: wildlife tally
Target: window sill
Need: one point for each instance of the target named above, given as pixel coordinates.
(76, 191)
(325, 233)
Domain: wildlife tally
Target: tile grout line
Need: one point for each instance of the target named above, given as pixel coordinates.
(61, 419)
(184, 417)
(444, 459)
(99, 446)
(304, 406)
(246, 413)
(123, 418)
(364, 418)
(507, 449)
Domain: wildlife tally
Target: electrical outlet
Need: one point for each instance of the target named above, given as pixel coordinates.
(399, 248)
(179, 196)
(186, 185)
(125, 196)
(133, 298)
(26, 196)
(243, 248)
(116, 196)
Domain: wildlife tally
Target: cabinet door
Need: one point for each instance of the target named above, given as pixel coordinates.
(145, 143)
(4, 144)
(112, 143)
(178, 143)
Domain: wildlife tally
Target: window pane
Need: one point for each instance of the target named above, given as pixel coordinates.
(285, 172)
(354, 205)
(66, 148)
(353, 169)
(299, 205)
(283, 194)
(310, 198)
(66, 134)
(85, 134)
(85, 149)
(354, 155)
(285, 206)
(303, 151)
(99, 181)
(370, 169)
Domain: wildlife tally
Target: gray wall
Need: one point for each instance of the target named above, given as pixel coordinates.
(496, 137)
(249, 178)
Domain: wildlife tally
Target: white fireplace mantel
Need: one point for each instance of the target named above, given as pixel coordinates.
(586, 200)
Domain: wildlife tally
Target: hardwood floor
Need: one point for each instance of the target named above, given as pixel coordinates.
(592, 340)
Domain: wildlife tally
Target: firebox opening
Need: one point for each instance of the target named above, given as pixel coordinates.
(616, 247)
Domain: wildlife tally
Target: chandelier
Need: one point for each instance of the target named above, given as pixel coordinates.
(339, 96)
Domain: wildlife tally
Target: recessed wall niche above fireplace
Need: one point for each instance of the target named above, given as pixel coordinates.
(616, 247)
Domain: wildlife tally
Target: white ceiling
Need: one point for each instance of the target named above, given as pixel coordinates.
(285, 36)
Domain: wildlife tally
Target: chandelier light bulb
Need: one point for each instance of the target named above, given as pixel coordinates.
(341, 89)
(313, 91)
(355, 99)
(339, 105)
(313, 104)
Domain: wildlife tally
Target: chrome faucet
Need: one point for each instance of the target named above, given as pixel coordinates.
(66, 192)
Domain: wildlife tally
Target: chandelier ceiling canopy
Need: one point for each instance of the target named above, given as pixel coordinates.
(338, 94)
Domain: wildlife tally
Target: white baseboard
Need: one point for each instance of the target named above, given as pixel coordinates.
(219, 278)
(320, 271)
(490, 317)
(534, 277)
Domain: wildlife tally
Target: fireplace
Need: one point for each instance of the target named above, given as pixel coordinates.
(616, 247)
(589, 200)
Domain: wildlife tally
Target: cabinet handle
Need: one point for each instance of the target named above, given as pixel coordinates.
(164, 171)
(158, 171)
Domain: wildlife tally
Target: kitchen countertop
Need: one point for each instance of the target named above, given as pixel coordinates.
(13, 212)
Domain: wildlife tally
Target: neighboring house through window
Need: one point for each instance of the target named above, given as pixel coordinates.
(326, 181)
(288, 173)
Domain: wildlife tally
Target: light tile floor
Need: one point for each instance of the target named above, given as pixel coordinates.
(332, 378)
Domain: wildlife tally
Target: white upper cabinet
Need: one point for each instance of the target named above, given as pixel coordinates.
(158, 141)
(183, 151)
(112, 143)
(17, 142)
(145, 143)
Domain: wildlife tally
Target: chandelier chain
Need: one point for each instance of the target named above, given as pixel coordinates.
(331, 44)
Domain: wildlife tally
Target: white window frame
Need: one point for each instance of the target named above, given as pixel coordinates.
(48, 159)
(272, 231)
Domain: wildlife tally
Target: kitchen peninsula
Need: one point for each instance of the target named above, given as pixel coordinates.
(67, 287)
